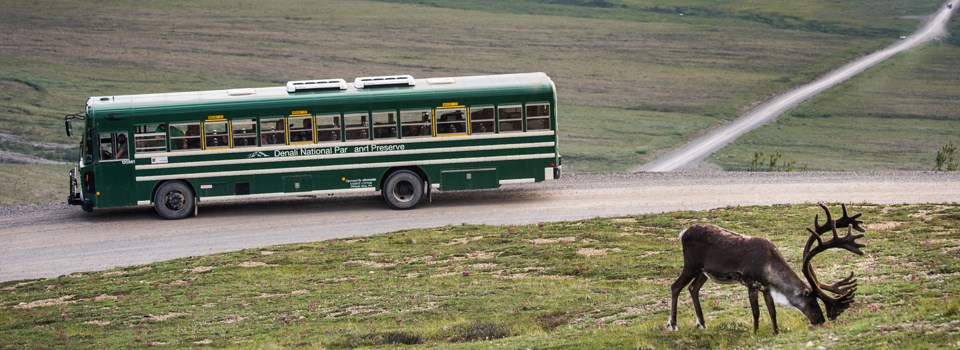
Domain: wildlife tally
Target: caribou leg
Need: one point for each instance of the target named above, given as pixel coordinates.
(771, 307)
(695, 295)
(686, 276)
(755, 307)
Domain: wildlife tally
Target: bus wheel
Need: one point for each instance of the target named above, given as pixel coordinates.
(174, 200)
(403, 190)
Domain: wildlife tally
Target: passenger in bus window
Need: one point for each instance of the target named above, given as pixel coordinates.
(280, 137)
(176, 136)
(193, 142)
(121, 146)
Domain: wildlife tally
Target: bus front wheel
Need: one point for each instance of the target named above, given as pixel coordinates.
(174, 200)
(403, 190)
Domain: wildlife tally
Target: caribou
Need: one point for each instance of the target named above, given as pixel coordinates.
(710, 252)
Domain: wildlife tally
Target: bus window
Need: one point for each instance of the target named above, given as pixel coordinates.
(538, 116)
(415, 123)
(301, 129)
(481, 119)
(185, 136)
(510, 119)
(244, 133)
(272, 132)
(328, 128)
(384, 125)
(451, 121)
(356, 125)
(150, 138)
(113, 146)
(216, 135)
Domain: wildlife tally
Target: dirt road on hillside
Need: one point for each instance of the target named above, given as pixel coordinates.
(690, 155)
(52, 240)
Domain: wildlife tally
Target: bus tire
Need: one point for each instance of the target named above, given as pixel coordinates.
(174, 200)
(403, 190)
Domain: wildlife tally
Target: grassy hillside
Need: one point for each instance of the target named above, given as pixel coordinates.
(635, 78)
(638, 57)
(33, 183)
(892, 117)
(600, 283)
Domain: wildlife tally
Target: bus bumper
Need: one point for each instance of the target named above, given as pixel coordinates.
(76, 198)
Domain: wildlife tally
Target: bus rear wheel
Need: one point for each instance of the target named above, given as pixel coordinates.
(174, 200)
(403, 190)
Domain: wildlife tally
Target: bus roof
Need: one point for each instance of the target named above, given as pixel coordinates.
(530, 82)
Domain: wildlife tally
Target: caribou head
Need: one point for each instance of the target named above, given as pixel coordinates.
(710, 252)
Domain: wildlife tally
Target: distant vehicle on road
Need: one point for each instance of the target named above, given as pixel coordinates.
(397, 135)
(903, 37)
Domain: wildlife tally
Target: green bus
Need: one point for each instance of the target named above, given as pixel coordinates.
(396, 135)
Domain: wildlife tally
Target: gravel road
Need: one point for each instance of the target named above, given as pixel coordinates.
(690, 155)
(56, 239)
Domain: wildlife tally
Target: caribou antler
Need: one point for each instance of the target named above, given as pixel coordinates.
(845, 221)
(846, 287)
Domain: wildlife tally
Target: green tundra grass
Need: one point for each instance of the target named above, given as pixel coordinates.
(601, 283)
(33, 183)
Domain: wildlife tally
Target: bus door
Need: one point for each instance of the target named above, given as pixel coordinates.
(114, 176)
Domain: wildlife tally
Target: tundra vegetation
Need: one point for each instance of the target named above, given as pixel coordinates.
(636, 77)
(601, 283)
(947, 158)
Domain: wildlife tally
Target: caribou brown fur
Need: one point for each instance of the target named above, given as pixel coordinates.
(711, 252)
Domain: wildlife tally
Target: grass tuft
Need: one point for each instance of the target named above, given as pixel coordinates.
(478, 331)
(552, 320)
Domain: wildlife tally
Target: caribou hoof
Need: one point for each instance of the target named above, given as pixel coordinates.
(671, 327)
(701, 326)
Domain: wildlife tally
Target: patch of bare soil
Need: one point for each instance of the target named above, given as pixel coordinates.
(464, 240)
(199, 269)
(595, 252)
(46, 302)
(884, 226)
(552, 240)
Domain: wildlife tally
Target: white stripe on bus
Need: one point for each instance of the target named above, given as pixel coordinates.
(340, 156)
(344, 166)
(279, 194)
(517, 181)
(198, 152)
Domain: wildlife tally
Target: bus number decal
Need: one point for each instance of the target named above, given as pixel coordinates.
(359, 183)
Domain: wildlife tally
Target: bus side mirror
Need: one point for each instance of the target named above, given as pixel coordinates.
(69, 128)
